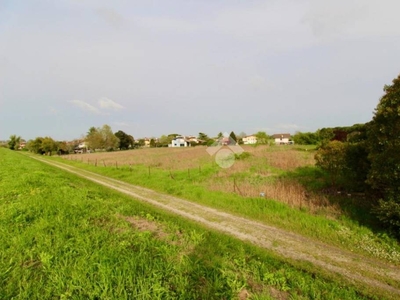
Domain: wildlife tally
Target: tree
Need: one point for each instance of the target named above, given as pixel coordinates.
(220, 135)
(48, 145)
(233, 137)
(262, 137)
(331, 157)
(62, 147)
(125, 141)
(35, 145)
(203, 137)
(383, 144)
(102, 138)
(14, 141)
(152, 143)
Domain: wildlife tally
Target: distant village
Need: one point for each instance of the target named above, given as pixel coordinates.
(123, 141)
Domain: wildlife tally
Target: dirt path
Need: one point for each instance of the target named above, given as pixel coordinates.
(294, 246)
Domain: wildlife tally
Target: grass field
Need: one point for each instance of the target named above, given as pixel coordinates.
(65, 238)
(286, 175)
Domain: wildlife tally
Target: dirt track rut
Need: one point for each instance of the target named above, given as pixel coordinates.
(294, 246)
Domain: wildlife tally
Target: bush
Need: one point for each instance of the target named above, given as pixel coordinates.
(388, 212)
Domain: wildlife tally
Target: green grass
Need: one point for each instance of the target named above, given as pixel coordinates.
(64, 237)
(347, 231)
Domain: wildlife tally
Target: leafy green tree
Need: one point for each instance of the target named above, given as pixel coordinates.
(152, 143)
(62, 147)
(35, 145)
(306, 138)
(48, 145)
(331, 157)
(220, 135)
(204, 137)
(102, 138)
(262, 137)
(125, 141)
(14, 142)
(383, 142)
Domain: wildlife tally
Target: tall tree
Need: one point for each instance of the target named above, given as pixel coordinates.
(35, 145)
(152, 143)
(204, 137)
(232, 136)
(48, 145)
(262, 137)
(383, 142)
(102, 138)
(14, 141)
(125, 141)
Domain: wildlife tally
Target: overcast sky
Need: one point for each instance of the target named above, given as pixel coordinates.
(178, 66)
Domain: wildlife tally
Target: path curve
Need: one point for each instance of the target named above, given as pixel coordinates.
(288, 244)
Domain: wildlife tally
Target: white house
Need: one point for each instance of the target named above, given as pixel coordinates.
(180, 141)
(250, 140)
(282, 139)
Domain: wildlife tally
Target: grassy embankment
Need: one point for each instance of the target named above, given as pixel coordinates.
(285, 174)
(64, 237)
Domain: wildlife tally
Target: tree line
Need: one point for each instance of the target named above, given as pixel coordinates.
(366, 158)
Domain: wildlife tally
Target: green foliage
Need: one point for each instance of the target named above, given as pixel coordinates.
(384, 143)
(388, 212)
(232, 136)
(331, 157)
(86, 245)
(204, 138)
(102, 138)
(14, 141)
(48, 145)
(125, 141)
(152, 143)
(242, 156)
(306, 138)
(262, 137)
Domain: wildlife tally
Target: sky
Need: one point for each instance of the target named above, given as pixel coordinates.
(153, 67)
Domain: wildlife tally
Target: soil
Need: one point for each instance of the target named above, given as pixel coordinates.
(355, 267)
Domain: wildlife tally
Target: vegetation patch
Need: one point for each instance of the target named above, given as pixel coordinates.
(58, 242)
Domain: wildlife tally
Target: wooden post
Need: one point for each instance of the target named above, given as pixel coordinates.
(116, 164)
(130, 167)
(104, 163)
(95, 164)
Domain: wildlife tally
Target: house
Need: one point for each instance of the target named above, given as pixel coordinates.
(250, 140)
(82, 147)
(180, 141)
(282, 139)
(22, 145)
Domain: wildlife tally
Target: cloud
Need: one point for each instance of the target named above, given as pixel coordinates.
(85, 106)
(108, 103)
